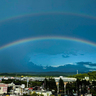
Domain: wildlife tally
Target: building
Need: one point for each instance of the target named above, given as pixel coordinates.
(45, 93)
(3, 88)
(65, 79)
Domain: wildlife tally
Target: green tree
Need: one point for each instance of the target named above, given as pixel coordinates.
(35, 83)
(35, 94)
(52, 84)
(45, 83)
(25, 95)
(61, 85)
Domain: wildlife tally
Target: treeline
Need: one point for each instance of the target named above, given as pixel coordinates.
(39, 74)
(50, 84)
(91, 75)
(20, 82)
(79, 86)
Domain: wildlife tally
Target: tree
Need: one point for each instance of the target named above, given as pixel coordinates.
(35, 94)
(52, 84)
(45, 83)
(77, 86)
(61, 85)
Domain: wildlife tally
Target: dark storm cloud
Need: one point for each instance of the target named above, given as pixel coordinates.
(74, 54)
(65, 56)
(82, 63)
(81, 54)
(70, 53)
(93, 64)
(67, 68)
(7, 64)
(17, 63)
(86, 63)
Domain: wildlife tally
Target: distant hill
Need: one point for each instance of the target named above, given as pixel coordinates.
(91, 75)
(39, 74)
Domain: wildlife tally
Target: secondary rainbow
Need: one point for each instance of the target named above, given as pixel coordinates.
(48, 13)
(45, 38)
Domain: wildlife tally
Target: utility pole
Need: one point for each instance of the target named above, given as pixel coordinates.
(57, 87)
(65, 89)
(77, 71)
(27, 82)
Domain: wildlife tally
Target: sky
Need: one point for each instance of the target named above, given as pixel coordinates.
(48, 21)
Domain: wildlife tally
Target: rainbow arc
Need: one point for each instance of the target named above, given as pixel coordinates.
(48, 13)
(46, 38)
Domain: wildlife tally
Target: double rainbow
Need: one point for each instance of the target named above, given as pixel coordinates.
(46, 38)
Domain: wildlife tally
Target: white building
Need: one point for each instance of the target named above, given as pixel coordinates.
(65, 79)
(45, 93)
(3, 88)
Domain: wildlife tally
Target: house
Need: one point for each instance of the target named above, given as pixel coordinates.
(3, 88)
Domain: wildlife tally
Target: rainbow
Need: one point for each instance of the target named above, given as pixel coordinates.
(46, 38)
(48, 13)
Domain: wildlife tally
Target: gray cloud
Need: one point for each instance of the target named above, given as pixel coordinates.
(87, 63)
(65, 56)
(81, 54)
(83, 63)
